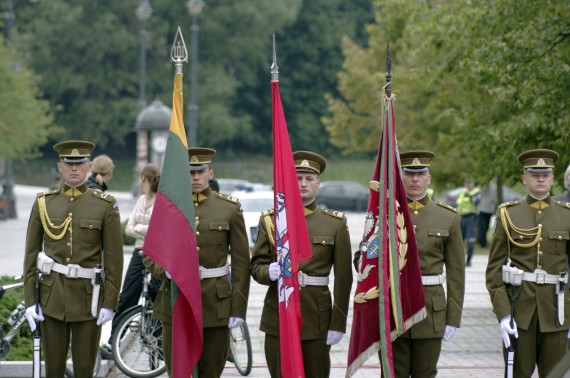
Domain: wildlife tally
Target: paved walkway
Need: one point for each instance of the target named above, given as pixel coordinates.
(475, 350)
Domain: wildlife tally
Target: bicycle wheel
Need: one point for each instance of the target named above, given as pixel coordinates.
(69, 372)
(137, 344)
(240, 348)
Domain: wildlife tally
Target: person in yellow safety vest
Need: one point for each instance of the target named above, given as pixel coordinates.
(467, 208)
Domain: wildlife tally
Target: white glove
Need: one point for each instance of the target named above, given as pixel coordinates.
(235, 322)
(569, 333)
(506, 330)
(449, 332)
(168, 275)
(334, 337)
(273, 271)
(32, 316)
(105, 315)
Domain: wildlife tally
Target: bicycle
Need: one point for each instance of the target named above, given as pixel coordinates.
(137, 339)
(240, 349)
(13, 322)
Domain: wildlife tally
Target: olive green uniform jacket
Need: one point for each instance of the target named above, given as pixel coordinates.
(331, 248)
(554, 249)
(94, 238)
(438, 235)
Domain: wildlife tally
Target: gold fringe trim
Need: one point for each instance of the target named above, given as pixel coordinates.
(361, 359)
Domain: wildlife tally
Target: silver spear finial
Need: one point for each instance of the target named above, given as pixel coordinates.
(388, 70)
(179, 53)
(274, 66)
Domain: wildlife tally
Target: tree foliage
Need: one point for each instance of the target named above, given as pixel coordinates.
(478, 83)
(25, 120)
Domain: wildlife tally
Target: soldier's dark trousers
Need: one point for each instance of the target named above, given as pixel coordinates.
(416, 358)
(316, 357)
(215, 353)
(535, 348)
(56, 335)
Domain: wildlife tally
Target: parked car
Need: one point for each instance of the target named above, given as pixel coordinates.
(450, 197)
(343, 195)
(252, 204)
(228, 186)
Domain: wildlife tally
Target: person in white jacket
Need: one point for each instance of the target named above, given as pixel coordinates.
(137, 227)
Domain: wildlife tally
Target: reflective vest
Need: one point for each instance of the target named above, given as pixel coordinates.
(467, 202)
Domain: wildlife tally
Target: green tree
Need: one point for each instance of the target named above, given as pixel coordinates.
(25, 120)
(478, 83)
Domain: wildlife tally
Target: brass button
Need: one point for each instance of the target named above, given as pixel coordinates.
(219, 227)
(520, 236)
(540, 211)
(539, 253)
(197, 233)
(197, 218)
(539, 266)
(70, 214)
(67, 259)
(559, 237)
(438, 234)
(69, 244)
(540, 238)
(324, 242)
(197, 248)
(91, 226)
(195, 204)
(540, 225)
(415, 212)
(72, 199)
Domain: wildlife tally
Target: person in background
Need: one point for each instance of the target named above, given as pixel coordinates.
(566, 196)
(486, 208)
(214, 185)
(137, 227)
(440, 245)
(467, 202)
(324, 320)
(101, 173)
(526, 273)
(74, 238)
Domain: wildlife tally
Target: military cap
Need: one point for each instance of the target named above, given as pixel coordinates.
(311, 162)
(539, 160)
(74, 151)
(416, 161)
(199, 158)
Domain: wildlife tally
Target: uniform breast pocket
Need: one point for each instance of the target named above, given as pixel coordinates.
(437, 237)
(559, 240)
(90, 230)
(219, 231)
(322, 244)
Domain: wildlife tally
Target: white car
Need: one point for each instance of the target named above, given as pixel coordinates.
(252, 204)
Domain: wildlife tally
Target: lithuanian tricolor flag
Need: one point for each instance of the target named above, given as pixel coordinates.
(171, 243)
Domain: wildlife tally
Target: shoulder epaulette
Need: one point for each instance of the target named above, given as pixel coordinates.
(563, 204)
(510, 203)
(268, 212)
(446, 206)
(48, 192)
(103, 195)
(333, 213)
(228, 198)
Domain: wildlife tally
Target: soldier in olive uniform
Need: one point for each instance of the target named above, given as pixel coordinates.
(438, 236)
(324, 322)
(219, 227)
(528, 256)
(81, 265)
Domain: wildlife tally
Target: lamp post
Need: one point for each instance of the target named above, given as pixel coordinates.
(143, 13)
(194, 8)
(8, 184)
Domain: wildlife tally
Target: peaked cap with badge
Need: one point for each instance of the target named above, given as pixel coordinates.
(539, 160)
(74, 151)
(416, 161)
(310, 162)
(199, 158)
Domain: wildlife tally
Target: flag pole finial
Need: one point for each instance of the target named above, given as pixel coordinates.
(179, 53)
(388, 70)
(274, 66)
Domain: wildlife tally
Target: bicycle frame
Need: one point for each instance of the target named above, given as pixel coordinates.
(14, 321)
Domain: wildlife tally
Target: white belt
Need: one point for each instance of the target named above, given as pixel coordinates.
(433, 280)
(214, 272)
(540, 277)
(73, 271)
(306, 280)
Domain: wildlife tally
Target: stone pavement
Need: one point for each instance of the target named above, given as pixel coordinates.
(475, 350)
